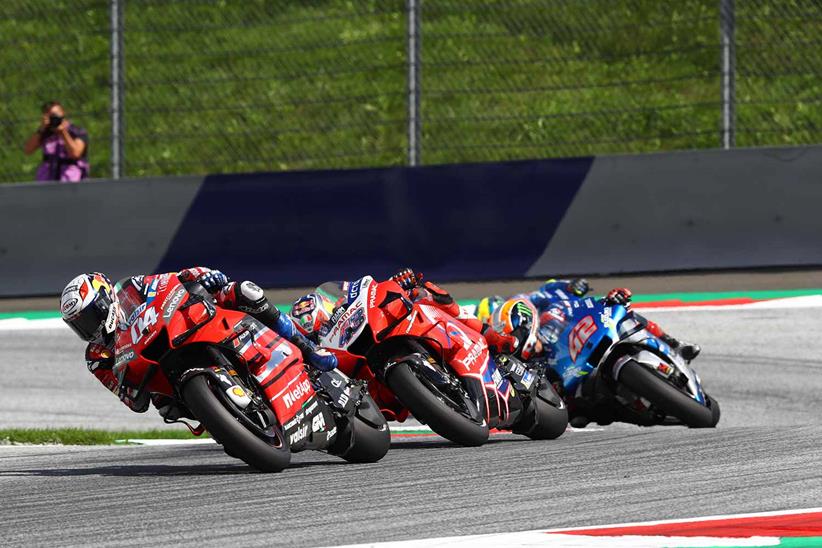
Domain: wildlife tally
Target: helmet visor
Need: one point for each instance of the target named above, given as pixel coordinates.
(88, 324)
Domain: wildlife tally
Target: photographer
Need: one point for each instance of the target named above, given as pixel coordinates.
(65, 146)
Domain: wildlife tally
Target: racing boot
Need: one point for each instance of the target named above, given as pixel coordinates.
(687, 351)
(249, 298)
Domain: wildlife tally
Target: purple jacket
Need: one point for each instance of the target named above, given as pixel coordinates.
(56, 165)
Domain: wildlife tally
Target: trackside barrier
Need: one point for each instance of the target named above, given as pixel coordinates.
(660, 212)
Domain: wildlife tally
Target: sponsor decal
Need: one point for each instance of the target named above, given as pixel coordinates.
(139, 310)
(580, 335)
(172, 302)
(69, 304)
(293, 395)
(474, 353)
(372, 297)
(605, 318)
(151, 291)
(124, 358)
(318, 423)
(298, 435)
(337, 314)
(354, 290)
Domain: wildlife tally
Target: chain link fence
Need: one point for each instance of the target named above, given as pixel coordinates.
(207, 86)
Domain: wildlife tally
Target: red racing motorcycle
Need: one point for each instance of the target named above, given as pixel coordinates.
(419, 360)
(248, 386)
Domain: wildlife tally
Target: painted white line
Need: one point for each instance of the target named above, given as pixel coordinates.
(808, 301)
(23, 324)
(194, 441)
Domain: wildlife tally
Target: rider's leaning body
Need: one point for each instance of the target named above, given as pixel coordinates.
(312, 312)
(554, 299)
(90, 305)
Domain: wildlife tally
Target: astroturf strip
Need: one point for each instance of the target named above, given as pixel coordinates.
(84, 436)
(758, 295)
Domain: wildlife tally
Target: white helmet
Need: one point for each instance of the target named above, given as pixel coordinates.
(89, 306)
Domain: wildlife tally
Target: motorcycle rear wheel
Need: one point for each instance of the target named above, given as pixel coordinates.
(433, 411)
(643, 382)
(221, 423)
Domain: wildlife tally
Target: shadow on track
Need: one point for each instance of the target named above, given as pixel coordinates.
(440, 443)
(154, 470)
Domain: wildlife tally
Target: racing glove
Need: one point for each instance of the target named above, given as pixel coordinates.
(578, 286)
(499, 344)
(406, 279)
(168, 407)
(619, 295)
(129, 396)
(213, 281)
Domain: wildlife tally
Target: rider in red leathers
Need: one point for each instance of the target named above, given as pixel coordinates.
(89, 305)
(312, 317)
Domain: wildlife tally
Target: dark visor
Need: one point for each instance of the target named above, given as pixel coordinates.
(89, 322)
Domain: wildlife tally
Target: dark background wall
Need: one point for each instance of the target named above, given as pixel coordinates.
(661, 212)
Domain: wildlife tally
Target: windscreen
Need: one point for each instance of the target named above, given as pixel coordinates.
(132, 300)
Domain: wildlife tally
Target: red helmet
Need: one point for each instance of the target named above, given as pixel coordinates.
(310, 313)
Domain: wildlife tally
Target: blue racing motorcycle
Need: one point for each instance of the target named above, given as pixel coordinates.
(608, 367)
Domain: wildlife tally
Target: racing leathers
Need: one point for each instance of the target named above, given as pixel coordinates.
(554, 293)
(245, 297)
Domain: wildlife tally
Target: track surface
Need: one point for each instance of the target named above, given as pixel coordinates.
(763, 367)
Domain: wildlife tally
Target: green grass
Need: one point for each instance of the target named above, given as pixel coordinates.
(231, 86)
(83, 436)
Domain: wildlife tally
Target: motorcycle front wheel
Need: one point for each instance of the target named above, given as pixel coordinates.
(646, 384)
(456, 420)
(265, 450)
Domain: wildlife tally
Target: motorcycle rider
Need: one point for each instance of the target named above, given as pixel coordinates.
(312, 312)
(553, 296)
(89, 305)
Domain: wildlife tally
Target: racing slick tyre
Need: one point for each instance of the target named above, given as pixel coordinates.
(364, 437)
(442, 414)
(714, 405)
(643, 382)
(267, 455)
(370, 444)
(546, 422)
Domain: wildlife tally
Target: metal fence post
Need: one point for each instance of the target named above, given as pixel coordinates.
(727, 21)
(414, 37)
(116, 49)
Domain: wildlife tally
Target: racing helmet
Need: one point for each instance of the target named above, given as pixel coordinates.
(311, 312)
(518, 317)
(487, 306)
(90, 307)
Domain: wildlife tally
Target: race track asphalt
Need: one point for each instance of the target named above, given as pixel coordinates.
(763, 366)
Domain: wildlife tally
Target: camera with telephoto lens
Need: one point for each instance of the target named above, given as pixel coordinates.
(55, 121)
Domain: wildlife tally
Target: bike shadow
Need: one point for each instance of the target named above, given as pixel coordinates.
(435, 442)
(231, 468)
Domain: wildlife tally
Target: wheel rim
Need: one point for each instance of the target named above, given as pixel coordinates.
(260, 422)
(463, 407)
